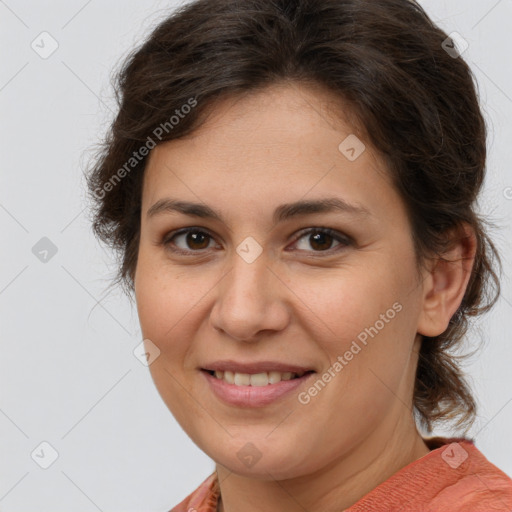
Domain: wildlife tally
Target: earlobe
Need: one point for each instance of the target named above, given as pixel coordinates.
(446, 282)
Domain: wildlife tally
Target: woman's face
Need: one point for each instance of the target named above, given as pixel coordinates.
(253, 286)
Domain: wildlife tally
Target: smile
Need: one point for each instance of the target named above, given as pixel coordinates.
(253, 390)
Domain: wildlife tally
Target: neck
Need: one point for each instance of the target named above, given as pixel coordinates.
(333, 488)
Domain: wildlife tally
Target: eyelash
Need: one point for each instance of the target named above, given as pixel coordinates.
(343, 239)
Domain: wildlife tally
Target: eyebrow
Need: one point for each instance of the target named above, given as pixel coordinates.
(281, 213)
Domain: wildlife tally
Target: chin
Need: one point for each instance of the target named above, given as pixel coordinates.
(261, 459)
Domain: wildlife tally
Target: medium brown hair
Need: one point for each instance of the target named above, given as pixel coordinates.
(415, 103)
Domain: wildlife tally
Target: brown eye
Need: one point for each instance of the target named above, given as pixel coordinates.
(321, 239)
(191, 240)
(196, 240)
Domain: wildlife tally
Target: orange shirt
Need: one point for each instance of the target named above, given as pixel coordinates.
(453, 477)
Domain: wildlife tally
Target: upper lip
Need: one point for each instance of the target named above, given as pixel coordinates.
(256, 367)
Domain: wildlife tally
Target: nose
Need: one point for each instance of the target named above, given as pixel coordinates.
(251, 300)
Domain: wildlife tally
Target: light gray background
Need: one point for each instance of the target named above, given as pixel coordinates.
(68, 374)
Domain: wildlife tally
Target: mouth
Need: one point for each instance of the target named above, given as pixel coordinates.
(254, 390)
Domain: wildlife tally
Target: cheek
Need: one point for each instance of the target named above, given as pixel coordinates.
(156, 293)
(346, 301)
(366, 318)
(170, 307)
(157, 307)
(165, 317)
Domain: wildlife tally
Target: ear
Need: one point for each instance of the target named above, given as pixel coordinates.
(446, 281)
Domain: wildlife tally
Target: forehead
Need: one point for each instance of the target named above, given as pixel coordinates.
(281, 141)
(293, 111)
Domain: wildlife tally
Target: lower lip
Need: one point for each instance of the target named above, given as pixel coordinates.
(252, 396)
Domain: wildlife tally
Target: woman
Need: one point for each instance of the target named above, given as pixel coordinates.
(291, 187)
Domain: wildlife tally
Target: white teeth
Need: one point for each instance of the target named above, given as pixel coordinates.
(229, 377)
(259, 379)
(242, 379)
(274, 377)
(255, 379)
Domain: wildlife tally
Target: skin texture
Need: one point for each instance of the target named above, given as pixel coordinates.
(301, 301)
